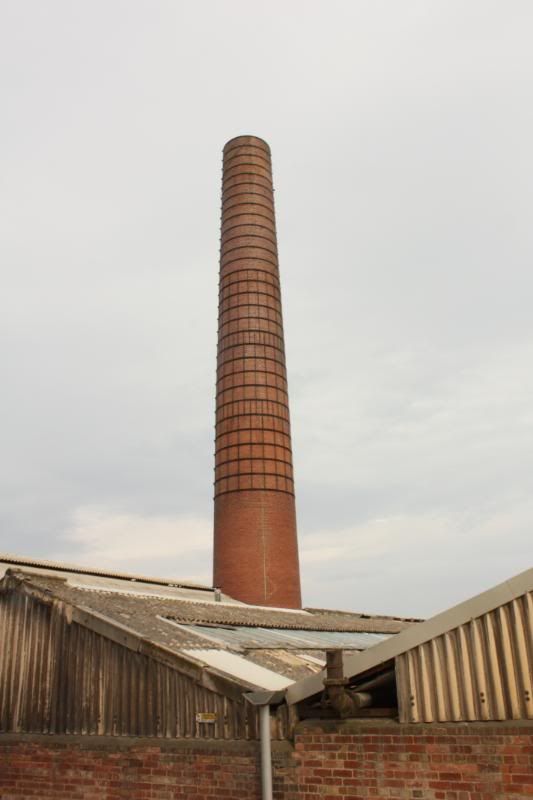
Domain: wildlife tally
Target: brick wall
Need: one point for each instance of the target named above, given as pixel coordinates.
(360, 760)
(355, 760)
(112, 768)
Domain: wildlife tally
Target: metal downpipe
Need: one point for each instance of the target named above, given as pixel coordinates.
(266, 753)
(262, 701)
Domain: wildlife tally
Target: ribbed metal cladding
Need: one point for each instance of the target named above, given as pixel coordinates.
(59, 677)
(482, 670)
(256, 557)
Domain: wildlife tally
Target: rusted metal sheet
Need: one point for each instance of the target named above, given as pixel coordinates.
(59, 676)
(480, 670)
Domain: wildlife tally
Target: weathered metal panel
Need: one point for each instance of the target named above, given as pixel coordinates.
(249, 638)
(481, 670)
(241, 668)
(58, 676)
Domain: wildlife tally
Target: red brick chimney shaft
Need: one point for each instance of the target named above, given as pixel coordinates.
(256, 553)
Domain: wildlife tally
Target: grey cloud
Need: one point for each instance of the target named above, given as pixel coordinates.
(403, 167)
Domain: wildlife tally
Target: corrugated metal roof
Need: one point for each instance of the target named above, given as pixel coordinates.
(248, 638)
(144, 605)
(482, 670)
(171, 618)
(62, 672)
(472, 662)
(237, 616)
(8, 560)
(188, 646)
(241, 668)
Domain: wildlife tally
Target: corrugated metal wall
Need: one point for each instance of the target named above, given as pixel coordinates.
(57, 676)
(482, 670)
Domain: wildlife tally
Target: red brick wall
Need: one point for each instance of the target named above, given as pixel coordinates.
(351, 760)
(359, 760)
(110, 768)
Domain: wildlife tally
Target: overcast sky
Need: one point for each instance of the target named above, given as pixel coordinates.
(401, 136)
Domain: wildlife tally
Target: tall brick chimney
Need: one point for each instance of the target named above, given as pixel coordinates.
(256, 551)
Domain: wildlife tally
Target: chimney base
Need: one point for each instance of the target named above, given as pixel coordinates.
(256, 553)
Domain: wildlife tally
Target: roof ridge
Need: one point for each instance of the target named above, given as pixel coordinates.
(58, 566)
(362, 615)
(238, 616)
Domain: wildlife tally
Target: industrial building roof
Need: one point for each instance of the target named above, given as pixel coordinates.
(472, 661)
(56, 566)
(255, 646)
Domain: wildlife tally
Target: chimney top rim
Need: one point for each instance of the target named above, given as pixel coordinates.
(247, 136)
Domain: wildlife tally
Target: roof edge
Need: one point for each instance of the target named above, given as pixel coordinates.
(58, 566)
(361, 614)
(416, 635)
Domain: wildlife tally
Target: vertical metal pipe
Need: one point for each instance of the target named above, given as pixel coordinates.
(266, 754)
